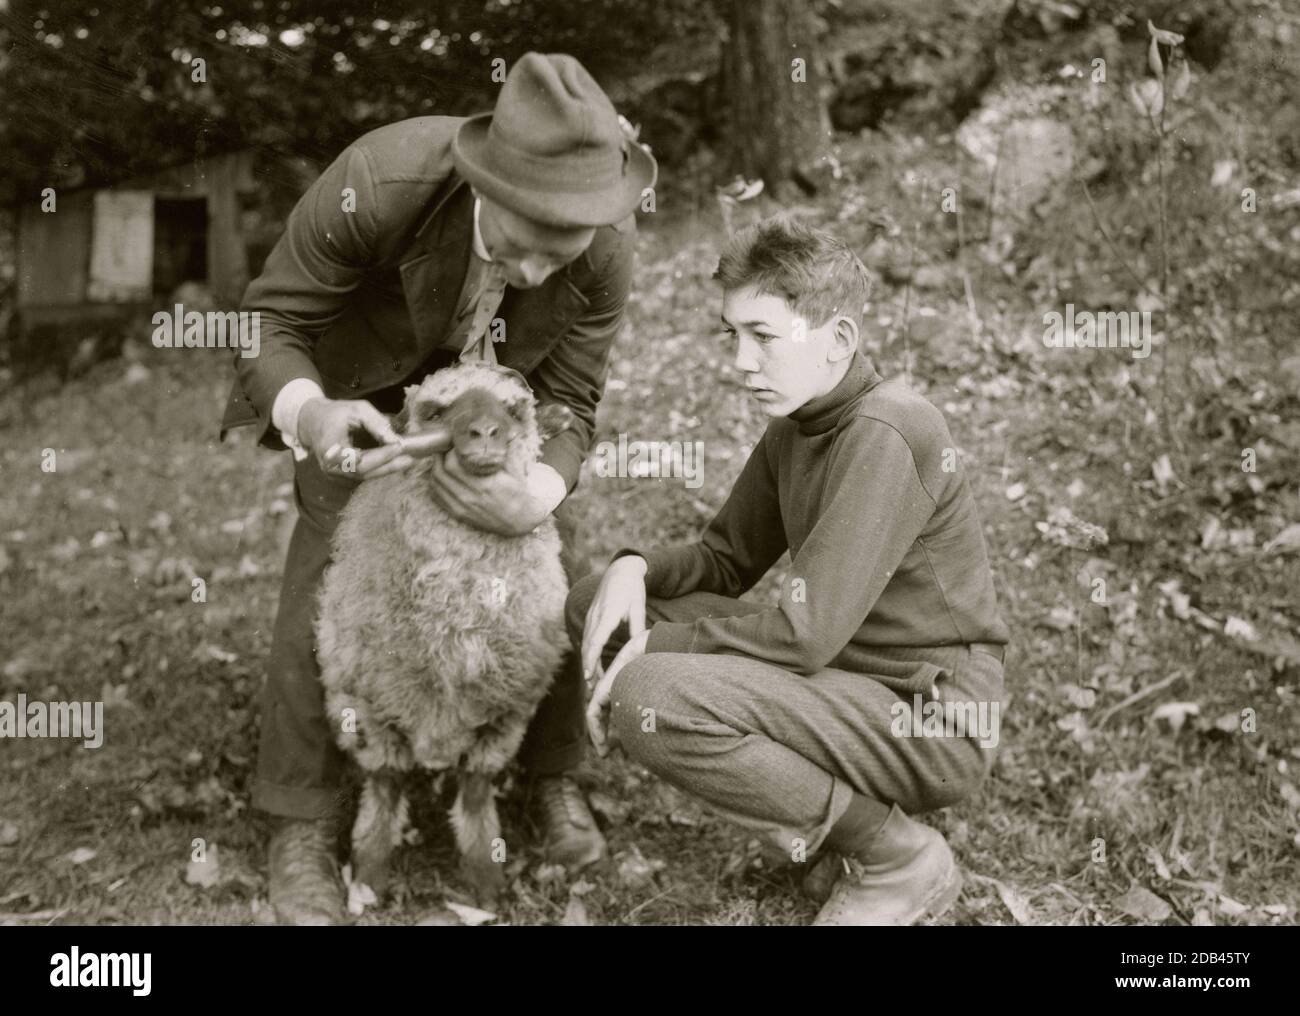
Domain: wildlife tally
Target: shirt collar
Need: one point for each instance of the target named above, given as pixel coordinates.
(480, 248)
(822, 413)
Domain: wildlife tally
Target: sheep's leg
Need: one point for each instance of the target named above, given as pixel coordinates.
(478, 835)
(374, 832)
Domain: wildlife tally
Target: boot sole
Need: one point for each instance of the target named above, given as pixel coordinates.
(941, 902)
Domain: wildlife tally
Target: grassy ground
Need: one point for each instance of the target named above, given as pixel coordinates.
(1103, 808)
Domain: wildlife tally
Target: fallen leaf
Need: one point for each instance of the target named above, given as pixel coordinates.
(1015, 492)
(612, 809)
(206, 873)
(1285, 541)
(472, 916)
(1175, 713)
(1015, 902)
(635, 872)
(1141, 903)
(1162, 471)
(545, 874)
(1061, 618)
(1237, 628)
(218, 654)
(1157, 861)
(575, 914)
(81, 855)
(8, 834)
(439, 918)
(1232, 907)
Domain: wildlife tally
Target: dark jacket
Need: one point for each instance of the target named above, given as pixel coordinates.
(359, 301)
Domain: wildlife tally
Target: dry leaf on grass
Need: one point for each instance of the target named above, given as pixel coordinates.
(1144, 905)
(206, 873)
(471, 916)
(1013, 899)
(575, 914)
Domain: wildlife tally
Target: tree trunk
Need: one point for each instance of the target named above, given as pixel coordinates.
(778, 129)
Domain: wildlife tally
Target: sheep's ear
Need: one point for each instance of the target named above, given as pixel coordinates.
(553, 417)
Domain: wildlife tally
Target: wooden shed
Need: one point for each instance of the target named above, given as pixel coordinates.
(96, 253)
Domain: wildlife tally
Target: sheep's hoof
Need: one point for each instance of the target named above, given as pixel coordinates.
(487, 879)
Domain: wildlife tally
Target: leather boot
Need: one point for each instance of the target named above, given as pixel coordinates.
(906, 872)
(570, 834)
(821, 877)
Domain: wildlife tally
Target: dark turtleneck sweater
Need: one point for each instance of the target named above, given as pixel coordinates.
(883, 534)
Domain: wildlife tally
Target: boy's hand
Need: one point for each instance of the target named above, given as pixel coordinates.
(620, 597)
(598, 729)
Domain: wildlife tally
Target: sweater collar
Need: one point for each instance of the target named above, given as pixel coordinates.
(819, 415)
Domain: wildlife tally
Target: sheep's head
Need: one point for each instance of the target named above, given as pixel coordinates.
(489, 412)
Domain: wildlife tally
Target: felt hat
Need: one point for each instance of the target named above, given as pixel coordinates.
(553, 149)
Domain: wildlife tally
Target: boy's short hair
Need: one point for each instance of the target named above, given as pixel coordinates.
(816, 273)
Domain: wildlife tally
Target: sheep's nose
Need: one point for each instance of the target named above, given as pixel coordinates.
(483, 431)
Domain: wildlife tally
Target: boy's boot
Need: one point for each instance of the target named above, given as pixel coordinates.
(820, 880)
(905, 872)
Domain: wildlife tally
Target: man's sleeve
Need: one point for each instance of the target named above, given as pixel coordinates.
(308, 276)
(873, 509)
(574, 372)
(737, 548)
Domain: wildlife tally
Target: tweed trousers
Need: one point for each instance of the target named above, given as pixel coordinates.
(780, 753)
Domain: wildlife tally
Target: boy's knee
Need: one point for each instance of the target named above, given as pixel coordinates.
(646, 694)
(961, 777)
(576, 605)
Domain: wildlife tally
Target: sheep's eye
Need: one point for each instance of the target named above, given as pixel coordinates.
(516, 412)
(429, 411)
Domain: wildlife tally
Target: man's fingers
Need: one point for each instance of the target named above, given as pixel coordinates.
(376, 423)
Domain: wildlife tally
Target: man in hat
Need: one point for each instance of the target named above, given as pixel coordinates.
(504, 236)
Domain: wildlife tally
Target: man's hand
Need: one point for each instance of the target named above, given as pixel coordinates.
(327, 429)
(598, 728)
(620, 597)
(500, 503)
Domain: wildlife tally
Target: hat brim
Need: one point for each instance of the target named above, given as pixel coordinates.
(577, 209)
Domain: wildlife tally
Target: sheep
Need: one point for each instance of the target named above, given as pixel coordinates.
(437, 640)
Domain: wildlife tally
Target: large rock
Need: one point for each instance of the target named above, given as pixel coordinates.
(923, 62)
(1026, 157)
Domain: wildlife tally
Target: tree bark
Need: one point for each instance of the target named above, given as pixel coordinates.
(778, 129)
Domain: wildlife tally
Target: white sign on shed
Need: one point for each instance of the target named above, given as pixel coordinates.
(121, 254)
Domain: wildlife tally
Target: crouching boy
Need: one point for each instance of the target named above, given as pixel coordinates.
(796, 721)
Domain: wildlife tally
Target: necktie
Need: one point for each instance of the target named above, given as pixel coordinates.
(478, 341)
